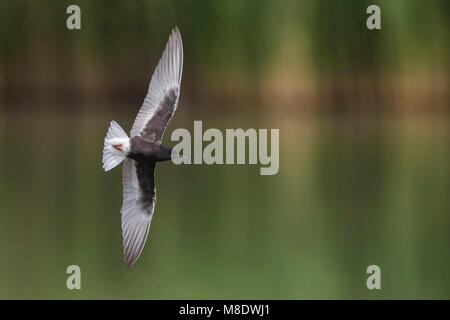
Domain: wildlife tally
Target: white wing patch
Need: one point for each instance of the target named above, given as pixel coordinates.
(167, 75)
(135, 221)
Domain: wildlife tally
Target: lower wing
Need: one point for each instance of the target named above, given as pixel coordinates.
(139, 197)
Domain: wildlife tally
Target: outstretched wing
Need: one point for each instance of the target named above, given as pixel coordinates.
(163, 92)
(139, 197)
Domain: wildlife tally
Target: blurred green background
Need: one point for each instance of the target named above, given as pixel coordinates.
(364, 149)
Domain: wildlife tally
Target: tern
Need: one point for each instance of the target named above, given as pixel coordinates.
(143, 149)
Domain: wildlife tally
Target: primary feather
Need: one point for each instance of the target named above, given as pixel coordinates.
(165, 82)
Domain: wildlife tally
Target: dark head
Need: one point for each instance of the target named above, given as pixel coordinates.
(165, 153)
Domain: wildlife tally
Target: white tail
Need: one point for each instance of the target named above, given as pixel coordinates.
(116, 146)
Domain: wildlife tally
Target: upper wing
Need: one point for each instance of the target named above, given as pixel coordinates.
(139, 197)
(163, 92)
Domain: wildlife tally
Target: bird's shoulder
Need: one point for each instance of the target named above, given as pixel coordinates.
(142, 146)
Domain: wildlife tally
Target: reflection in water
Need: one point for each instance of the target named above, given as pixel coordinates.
(345, 197)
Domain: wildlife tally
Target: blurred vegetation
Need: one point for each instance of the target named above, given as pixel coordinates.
(318, 52)
(364, 149)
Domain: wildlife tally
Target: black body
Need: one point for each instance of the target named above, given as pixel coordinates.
(143, 150)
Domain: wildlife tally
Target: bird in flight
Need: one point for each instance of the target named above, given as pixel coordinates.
(143, 149)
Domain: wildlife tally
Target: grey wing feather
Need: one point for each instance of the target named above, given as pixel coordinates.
(139, 197)
(163, 92)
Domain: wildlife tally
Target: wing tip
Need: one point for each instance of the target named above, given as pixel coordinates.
(134, 241)
(128, 264)
(130, 260)
(177, 49)
(176, 31)
(176, 35)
